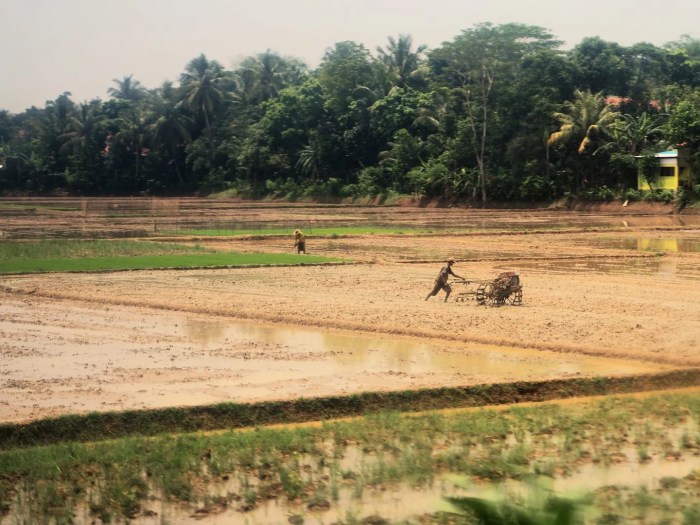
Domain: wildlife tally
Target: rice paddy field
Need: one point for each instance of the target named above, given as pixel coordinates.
(176, 360)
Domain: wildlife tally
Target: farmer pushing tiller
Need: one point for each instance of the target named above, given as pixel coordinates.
(441, 280)
(496, 292)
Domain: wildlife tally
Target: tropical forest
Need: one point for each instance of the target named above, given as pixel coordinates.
(498, 113)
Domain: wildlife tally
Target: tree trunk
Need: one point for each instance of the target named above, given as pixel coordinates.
(479, 137)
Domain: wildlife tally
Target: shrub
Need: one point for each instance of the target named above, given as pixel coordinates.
(632, 195)
(605, 194)
(535, 187)
(371, 181)
(660, 196)
(282, 188)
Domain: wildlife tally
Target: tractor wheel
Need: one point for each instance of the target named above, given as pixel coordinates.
(498, 299)
(516, 298)
(486, 294)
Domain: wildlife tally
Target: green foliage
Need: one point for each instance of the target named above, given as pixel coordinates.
(401, 61)
(502, 185)
(550, 511)
(435, 179)
(633, 195)
(282, 189)
(584, 123)
(683, 125)
(691, 515)
(665, 196)
(499, 111)
(649, 167)
(372, 181)
(536, 187)
(343, 68)
(600, 194)
(603, 65)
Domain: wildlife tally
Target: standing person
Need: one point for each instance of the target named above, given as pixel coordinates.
(300, 241)
(441, 280)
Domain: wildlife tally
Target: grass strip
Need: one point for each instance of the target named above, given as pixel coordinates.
(98, 426)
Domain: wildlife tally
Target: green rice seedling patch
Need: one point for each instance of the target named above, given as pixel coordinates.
(67, 249)
(73, 256)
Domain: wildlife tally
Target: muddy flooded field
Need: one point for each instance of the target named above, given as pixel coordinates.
(611, 293)
(606, 293)
(81, 358)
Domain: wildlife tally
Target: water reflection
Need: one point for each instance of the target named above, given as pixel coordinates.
(669, 245)
(286, 352)
(204, 331)
(646, 244)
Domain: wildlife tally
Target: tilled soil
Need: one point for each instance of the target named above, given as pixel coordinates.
(594, 303)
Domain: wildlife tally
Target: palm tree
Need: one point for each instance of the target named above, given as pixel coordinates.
(432, 112)
(127, 89)
(50, 125)
(584, 120)
(133, 134)
(204, 86)
(81, 127)
(55, 119)
(263, 76)
(400, 59)
(171, 127)
(309, 162)
(81, 141)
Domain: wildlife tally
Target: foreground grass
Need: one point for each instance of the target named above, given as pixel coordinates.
(69, 255)
(309, 465)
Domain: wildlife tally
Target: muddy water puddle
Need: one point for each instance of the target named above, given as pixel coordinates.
(647, 244)
(142, 217)
(663, 267)
(76, 359)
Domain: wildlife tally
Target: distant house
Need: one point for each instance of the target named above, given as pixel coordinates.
(674, 171)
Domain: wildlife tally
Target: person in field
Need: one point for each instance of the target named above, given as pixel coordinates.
(441, 280)
(299, 241)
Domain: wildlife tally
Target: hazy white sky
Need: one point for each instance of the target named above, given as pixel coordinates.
(51, 46)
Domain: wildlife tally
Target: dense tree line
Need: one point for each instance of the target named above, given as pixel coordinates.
(500, 112)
